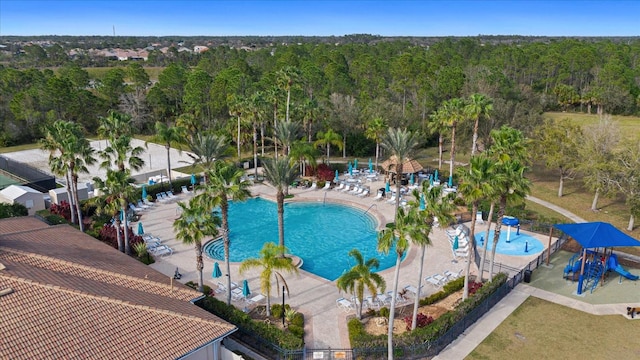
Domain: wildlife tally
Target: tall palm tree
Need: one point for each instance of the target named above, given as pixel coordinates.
(193, 225)
(374, 131)
(421, 223)
(225, 182)
(479, 106)
(114, 125)
(361, 276)
(310, 110)
(69, 153)
(327, 139)
(474, 184)
(272, 95)
(240, 108)
(304, 151)
(285, 80)
(280, 173)
(401, 144)
(118, 130)
(118, 190)
(395, 234)
(169, 135)
(256, 106)
(272, 266)
(437, 125)
(453, 115)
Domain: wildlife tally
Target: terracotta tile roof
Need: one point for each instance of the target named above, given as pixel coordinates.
(17, 224)
(72, 309)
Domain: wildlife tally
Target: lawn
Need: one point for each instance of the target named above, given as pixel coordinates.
(545, 330)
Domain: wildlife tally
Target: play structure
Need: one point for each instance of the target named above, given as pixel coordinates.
(589, 266)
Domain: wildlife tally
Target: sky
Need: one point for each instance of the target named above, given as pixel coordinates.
(320, 18)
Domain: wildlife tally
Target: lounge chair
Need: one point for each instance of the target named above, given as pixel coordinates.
(327, 186)
(344, 304)
(392, 199)
(314, 186)
(148, 203)
(236, 294)
(220, 289)
(135, 208)
(185, 190)
(433, 281)
(411, 290)
(161, 197)
(452, 275)
(256, 299)
(171, 196)
(379, 196)
(142, 205)
(339, 188)
(356, 190)
(162, 250)
(346, 188)
(365, 193)
(479, 219)
(373, 302)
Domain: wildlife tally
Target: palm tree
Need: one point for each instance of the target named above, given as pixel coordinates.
(286, 133)
(375, 130)
(118, 191)
(304, 151)
(479, 106)
(168, 135)
(273, 97)
(118, 130)
(272, 265)
(421, 223)
(280, 173)
(327, 139)
(361, 276)
(207, 148)
(310, 111)
(285, 80)
(69, 153)
(453, 114)
(473, 187)
(225, 182)
(193, 225)
(114, 125)
(396, 233)
(239, 107)
(438, 125)
(401, 144)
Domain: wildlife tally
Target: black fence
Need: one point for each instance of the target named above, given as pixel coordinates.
(32, 177)
(423, 350)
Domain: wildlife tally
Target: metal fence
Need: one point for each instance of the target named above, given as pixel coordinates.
(34, 178)
(423, 350)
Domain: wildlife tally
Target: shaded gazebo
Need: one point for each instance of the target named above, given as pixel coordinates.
(409, 166)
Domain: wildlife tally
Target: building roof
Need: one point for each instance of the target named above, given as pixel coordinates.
(15, 191)
(76, 297)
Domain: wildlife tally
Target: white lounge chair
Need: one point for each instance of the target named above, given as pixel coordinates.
(142, 205)
(339, 188)
(185, 190)
(365, 193)
(356, 190)
(345, 305)
(256, 299)
(479, 219)
(379, 196)
(346, 188)
(161, 197)
(135, 208)
(220, 289)
(148, 203)
(392, 199)
(433, 281)
(162, 250)
(373, 302)
(327, 186)
(236, 294)
(452, 275)
(171, 196)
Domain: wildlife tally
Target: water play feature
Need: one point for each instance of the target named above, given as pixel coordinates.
(519, 243)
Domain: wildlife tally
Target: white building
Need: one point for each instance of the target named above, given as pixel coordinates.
(30, 198)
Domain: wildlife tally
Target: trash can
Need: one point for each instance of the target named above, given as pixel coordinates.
(527, 276)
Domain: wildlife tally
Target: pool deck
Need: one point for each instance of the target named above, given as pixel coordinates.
(314, 296)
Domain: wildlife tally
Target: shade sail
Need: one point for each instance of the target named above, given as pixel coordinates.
(408, 166)
(597, 234)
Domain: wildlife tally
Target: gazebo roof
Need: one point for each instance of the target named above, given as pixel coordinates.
(408, 166)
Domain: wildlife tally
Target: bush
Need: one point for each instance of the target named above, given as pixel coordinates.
(422, 320)
(12, 210)
(63, 209)
(474, 287)
(298, 320)
(277, 312)
(384, 312)
(296, 331)
(324, 172)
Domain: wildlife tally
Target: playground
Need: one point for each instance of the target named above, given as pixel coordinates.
(613, 290)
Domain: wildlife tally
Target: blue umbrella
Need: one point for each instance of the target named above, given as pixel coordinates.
(387, 188)
(337, 178)
(411, 179)
(435, 175)
(350, 169)
(216, 270)
(455, 243)
(422, 204)
(121, 215)
(144, 192)
(450, 181)
(355, 163)
(370, 166)
(431, 181)
(193, 179)
(245, 288)
(140, 229)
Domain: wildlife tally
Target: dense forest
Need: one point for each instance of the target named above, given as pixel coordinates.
(339, 84)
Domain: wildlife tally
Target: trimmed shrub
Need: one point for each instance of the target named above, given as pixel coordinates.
(277, 312)
(384, 312)
(298, 320)
(422, 320)
(296, 330)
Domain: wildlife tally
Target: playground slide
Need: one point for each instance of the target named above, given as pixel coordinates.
(620, 270)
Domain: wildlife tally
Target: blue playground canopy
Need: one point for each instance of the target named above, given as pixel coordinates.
(597, 234)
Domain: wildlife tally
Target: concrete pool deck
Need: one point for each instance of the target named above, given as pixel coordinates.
(315, 297)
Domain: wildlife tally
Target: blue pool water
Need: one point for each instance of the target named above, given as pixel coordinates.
(321, 234)
(516, 245)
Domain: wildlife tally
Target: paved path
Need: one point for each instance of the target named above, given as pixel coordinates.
(573, 217)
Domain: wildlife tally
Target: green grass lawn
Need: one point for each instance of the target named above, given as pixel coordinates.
(543, 330)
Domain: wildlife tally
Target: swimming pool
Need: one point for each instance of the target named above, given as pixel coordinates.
(517, 243)
(321, 234)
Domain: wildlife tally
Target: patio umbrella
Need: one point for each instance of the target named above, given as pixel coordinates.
(350, 169)
(450, 181)
(370, 166)
(216, 270)
(355, 163)
(140, 229)
(245, 288)
(387, 188)
(144, 192)
(193, 179)
(411, 179)
(435, 175)
(431, 181)
(455, 243)
(337, 178)
(408, 166)
(121, 215)
(422, 204)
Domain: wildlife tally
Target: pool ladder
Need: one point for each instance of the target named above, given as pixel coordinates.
(324, 199)
(372, 205)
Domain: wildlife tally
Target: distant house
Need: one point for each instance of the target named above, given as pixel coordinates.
(199, 49)
(59, 195)
(66, 295)
(18, 194)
